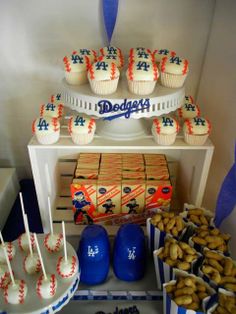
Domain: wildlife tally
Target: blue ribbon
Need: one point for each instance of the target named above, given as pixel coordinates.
(110, 9)
(227, 197)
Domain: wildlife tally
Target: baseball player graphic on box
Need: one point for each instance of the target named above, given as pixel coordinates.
(81, 206)
(108, 206)
(133, 206)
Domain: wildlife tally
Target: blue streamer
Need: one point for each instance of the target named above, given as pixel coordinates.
(227, 197)
(110, 9)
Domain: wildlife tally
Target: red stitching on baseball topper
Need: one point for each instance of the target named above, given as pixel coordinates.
(198, 111)
(5, 280)
(57, 246)
(52, 98)
(113, 70)
(156, 73)
(10, 250)
(157, 124)
(91, 72)
(189, 126)
(52, 285)
(33, 126)
(38, 266)
(163, 64)
(60, 110)
(70, 125)
(42, 110)
(185, 69)
(87, 62)
(55, 124)
(72, 270)
(179, 110)
(177, 125)
(24, 264)
(21, 292)
(38, 286)
(130, 71)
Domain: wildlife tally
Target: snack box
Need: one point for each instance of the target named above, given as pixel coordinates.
(133, 167)
(111, 164)
(109, 196)
(139, 175)
(110, 171)
(133, 196)
(110, 176)
(158, 194)
(88, 165)
(90, 186)
(154, 156)
(86, 173)
(161, 174)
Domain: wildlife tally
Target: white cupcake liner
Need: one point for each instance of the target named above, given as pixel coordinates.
(106, 87)
(76, 78)
(195, 139)
(164, 139)
(172, 80)
(47, 139)
(141, 87)
(82, 139)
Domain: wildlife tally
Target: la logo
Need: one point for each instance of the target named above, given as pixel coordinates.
(76, 59)
(142, 54)
(101, 66)
(79, 121)
(163, 52)
(111, 50)
(167, 121)
(50, 107)
(175, 60)
(142, 65)
(85, 52)
(199, 121)
(43, 125)
(58, 96)
(189, 107)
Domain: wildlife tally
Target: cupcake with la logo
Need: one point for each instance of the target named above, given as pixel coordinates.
(165, 129)
(81, 128)
(103, 77)
(56, 99)
(140, 54)
(90, 53)
(46, 130)
(117, 59)
(51, 110)
(188, 111)
(159, 54)
(196, 130)
(76, 67)
(174, 71)
(110, 50)
(142, 77)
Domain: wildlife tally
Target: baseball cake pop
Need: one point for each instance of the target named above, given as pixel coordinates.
(67, 266)
(5, 278)
(16, 291)
(46, 285)
(23, 238)
(31, 262)
(53, 241)
(11, 251)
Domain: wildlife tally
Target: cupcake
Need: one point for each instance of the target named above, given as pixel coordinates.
(165, 129)
(142, 77)
(56, 99)
(76, 67)
(140, 54)
(188, 111)
(51, 110)
(196, 130)
(91, 54)
(174, 71)
(81, 129)
(117, 59)
(103, 77)
(46, 130)
(159, 54)
(110, 50)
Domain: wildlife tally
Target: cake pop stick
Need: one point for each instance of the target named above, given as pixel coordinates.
(31, 262)
(46, 285)
(67, 266)
(16, 291)
(50, 215)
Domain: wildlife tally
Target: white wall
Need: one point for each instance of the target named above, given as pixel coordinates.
(35, 36)
(217, 98)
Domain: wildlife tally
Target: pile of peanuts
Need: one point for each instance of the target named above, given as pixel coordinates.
(169, 223)
(177, 254)
(188, 292)
(211, 238)
(198, 216)
(226, 304)
(220, 269)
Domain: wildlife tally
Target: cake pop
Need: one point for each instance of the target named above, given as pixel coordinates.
(11, 251)
(46, 285)
(31, 262)
(16, 291)
(5, 278)
(23, 238)
(52, 241)
(67, 266)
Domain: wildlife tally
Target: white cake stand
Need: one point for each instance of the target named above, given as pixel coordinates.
(34, 305)
(162, 101)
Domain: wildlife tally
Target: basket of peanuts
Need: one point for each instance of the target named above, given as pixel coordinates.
(186, 294)
(226, 303)
(162, 224)
(196, 217)
(211, 238)
(218, 270)
(174, 254)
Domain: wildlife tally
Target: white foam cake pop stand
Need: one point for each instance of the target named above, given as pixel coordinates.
(162, 101)
(33, 304)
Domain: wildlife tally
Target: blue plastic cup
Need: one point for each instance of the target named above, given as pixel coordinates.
(94, 255)
(129, 259)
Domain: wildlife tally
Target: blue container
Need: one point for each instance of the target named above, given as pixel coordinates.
(129, 260)
(94, 255)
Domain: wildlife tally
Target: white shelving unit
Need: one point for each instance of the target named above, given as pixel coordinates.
(53, 167)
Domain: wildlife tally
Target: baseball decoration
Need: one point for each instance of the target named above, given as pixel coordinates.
(31, 262)
(46, 285)
(51, 110)
(23, 238)
(16, 291)
(5, 278)
(67, 266)
(53, 241)
(11, 251)
(46, 130)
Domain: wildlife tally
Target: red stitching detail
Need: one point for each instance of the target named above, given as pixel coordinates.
(172, 53)
(38, 266)
(177, 125)
(10, 250)
(70, 125)
(190, 127)
(21, 292)
(38, 286)
(52, 98)
(57, 246)
(158, 126)
(5, 280)
(24, 264)
(42, 110)
(91, 72)
(208, 126)
(156, 73)
(179, 110)
(113, 71)
(185, 69)
(87, 61)
(198, 111)
(73, 267)
(130, 71)
(55, 124)
(191, 98)
(60, 110)
(52, 285)
(33, 126)
(74, 52)
(163, 64)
